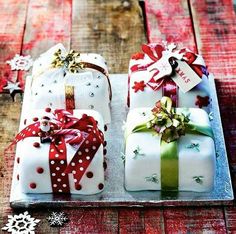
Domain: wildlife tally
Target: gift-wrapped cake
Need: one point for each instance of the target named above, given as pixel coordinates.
(71, 81)
(165, 71)
(60, 152)
(169, 149)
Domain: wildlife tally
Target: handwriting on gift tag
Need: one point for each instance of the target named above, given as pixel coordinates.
(185, 77)
(160, 69)
(74, 78)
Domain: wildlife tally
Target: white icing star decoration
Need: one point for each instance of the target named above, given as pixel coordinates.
(20, 62)
(12, 86)
(57, 219)
(21, 224)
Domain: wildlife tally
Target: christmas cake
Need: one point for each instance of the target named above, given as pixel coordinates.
(162, 70)
(71, 81)
(60, 152)
(169, 149)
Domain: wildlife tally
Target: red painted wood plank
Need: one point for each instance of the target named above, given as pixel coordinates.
(154, 221)
(131, 221)
(170, 21)
(13, 15)
(230, 218)
(85, 221)
(48, 23)
(215, 27)
(194, 220)
(226, 90)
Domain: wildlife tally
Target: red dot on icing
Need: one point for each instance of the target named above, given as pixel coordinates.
(17, 177)
(36, 144)
(78, 187)
(101, 186)
(104, 165)
(48, 109)
(35, 119)
(104, 151)
(18, 160)
(84, 116)
(105, 128)
(40, 170)
(32, 185)
(89, 174)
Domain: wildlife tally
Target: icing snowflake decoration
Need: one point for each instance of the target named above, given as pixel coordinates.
(57, 219)
(20, 62)
(21, 224)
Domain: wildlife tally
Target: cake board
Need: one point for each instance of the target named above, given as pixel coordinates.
(115, 194)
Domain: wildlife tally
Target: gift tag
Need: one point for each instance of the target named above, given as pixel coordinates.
(74, 78)
(185, 77)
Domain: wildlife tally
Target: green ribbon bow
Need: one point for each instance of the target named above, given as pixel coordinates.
(69, 61)
(170, 126)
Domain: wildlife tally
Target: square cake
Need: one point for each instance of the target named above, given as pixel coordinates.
(177, 155)
(60, 152)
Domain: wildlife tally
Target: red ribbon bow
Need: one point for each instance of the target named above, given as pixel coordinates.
(82, 133)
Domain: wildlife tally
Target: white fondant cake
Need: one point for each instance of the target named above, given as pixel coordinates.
(91, 87)
(142, 155)
(33, 163)
(142, 92)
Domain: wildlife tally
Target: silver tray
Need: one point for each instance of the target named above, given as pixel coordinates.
(115, 193)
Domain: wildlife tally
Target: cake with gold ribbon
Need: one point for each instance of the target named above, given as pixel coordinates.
(71, 80)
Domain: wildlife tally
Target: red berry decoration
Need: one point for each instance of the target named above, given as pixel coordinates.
(202, 101)
(78, 187)
(48, 109)
(40, 170)
(104, 151)
(101, 186)
(36, 144)
(105, 128)
(104, 165)
(89, 174)
(35, 119)
(139, 86)
(33, 185)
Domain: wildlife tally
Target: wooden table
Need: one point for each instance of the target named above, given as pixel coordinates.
(116, 29)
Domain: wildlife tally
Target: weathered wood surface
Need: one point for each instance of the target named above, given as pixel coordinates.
(12, 23)
(170, 21)
(215, 27)
(115, 29)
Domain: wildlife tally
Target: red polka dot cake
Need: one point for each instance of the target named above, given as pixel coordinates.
(61, 152)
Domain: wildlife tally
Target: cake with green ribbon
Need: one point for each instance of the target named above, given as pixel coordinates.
(169, 149)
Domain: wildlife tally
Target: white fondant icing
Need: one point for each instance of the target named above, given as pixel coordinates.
(48, 84)
(192, 163)
(149, 97)
(31, 158)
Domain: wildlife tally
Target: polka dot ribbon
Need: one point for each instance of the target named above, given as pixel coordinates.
(82, 133)
(169, 88)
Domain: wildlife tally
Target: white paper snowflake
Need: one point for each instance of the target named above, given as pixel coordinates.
(21, 224)
(20, 62)
(57, 219)
(12, 86)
